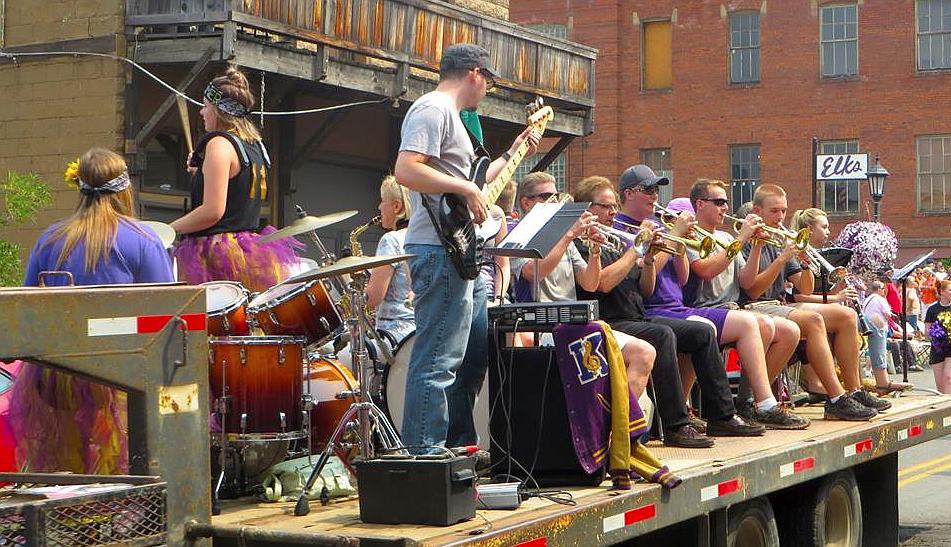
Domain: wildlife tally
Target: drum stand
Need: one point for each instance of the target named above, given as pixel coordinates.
(364, 410)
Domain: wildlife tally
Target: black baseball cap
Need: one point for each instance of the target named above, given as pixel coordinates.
(640, 175)
(466, 56)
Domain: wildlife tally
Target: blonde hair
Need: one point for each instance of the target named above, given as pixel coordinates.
(234, 84)
(506, 199)
(96, 220)
(804, 218)
(529, 185)
(588, 186)
(764, 191)
(390, 190)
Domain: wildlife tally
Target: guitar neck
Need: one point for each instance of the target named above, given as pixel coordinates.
(494, 189)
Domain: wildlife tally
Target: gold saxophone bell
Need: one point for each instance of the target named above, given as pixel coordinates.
(357, 250)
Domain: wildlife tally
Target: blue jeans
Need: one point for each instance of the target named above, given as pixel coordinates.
(448, 363)
(877, 340)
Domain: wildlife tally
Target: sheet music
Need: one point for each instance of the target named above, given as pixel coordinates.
(525, 230)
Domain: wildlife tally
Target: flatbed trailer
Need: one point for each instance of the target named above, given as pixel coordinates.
(835, 483)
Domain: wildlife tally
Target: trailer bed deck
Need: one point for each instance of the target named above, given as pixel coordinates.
(734, 470)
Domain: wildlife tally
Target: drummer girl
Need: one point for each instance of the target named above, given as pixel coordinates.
(63, 422)
(389, 287)
(227, 189)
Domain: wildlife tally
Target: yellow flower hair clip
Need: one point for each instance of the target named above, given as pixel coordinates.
(71, 176)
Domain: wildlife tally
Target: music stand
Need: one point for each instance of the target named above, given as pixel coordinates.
(538, 233)
(836, 256)
(902, 275)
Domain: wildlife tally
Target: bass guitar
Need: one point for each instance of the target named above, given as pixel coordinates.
(463, 238)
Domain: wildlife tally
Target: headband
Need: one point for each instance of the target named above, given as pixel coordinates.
(225, 104)
(114, 186)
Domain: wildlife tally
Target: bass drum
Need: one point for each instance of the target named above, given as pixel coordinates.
(327, 379)
(394, 391)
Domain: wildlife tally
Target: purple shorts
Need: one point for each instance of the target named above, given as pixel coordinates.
(717, 316)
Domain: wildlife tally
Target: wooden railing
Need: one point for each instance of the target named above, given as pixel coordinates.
(403, 31)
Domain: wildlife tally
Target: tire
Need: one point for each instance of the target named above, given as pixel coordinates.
(831, 513)
(752, 524)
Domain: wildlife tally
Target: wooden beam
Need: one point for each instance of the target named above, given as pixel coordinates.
(324, 131)
(553, 153)
(96, 44)
(151, 126)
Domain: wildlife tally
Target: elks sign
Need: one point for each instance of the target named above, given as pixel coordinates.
(841, 166)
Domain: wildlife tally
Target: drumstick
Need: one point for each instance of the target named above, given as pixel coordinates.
(183, 115)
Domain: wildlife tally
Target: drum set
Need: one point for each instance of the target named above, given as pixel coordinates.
(277, 392)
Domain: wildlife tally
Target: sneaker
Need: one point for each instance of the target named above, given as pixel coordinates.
(697, 422)
(779, 417)
(915, 368)
(870, 400)
(745, 409)
(847, 408)
(735, 426)
(687, 436)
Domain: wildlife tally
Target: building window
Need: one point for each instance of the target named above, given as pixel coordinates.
(658, 73)
(839, 34)
(744, 48)
(558, 31)
(934, 173)
(744, 173)
(658, 159)
(934, 34)
(557, 169)
(840, 197)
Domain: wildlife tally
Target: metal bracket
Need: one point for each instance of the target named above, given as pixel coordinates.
(401, 81)
(321, 63)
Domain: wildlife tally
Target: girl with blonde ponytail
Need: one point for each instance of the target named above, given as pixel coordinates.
(230, 167)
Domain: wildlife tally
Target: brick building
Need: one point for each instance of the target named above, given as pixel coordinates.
(737, 91)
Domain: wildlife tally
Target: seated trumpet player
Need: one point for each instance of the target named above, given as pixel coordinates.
(777, 264)
(563, 268)
(764, 343)
(627, 275)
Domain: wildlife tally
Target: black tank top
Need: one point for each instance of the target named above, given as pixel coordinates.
(246, 190)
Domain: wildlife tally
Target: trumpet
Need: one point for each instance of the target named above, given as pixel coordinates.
(732, 249)
(618, 240)
(780, 235)
(704, 246)
(821, 266)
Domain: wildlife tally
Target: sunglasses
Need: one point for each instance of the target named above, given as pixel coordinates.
(489, 78)
(545, 196)
(719, 202)
(653, 189)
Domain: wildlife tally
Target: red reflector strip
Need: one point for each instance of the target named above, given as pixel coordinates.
(858, 448)
(797, 466)
(722, 489)
(537, 542)
(912, 431)
(627, 518)
(155, 323)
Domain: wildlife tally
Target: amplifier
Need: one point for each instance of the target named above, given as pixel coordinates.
(542, 315)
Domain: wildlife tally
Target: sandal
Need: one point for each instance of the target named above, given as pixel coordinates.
(892, 387)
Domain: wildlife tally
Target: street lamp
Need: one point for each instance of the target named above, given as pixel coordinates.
(876, 184)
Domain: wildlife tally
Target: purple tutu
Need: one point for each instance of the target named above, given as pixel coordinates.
(237, 256)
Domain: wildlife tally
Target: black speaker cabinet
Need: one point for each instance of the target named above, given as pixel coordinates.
(529, 418)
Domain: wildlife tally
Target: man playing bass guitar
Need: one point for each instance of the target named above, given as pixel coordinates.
(448, 363)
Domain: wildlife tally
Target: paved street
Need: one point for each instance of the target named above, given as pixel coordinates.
(924, 487)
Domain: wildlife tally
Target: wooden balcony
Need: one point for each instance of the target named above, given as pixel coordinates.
(386, 47)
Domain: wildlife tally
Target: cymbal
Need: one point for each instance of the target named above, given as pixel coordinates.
(165, 232)
(347, 265)
(307, 224)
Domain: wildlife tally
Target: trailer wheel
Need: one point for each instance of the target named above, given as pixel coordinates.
(832, 513)
(752, 524)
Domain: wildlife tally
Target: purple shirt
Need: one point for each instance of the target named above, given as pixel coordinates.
(137, 257)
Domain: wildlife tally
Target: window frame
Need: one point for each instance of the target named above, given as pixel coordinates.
(918, 173)
(644, 23)
(918, 35)
(665, 192)
(758, 48)
(857, 182)
(734, 203)
(822, 42)
(559, 165)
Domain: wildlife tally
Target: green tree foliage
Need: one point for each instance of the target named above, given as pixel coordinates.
(23, 196)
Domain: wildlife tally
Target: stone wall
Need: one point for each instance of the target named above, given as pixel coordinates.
(493, 8)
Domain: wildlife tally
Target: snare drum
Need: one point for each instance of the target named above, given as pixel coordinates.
(328, 379)
(297, 309)
(394, 391)
(225, 303)
(263, 377)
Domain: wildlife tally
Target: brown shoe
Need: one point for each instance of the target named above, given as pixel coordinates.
(735, 426)
(687, 436)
